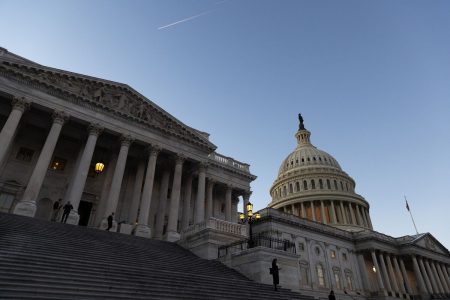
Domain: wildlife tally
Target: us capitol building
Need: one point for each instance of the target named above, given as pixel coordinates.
(105, 148)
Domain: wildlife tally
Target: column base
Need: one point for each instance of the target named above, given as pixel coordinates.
(73, 218)
(172, 236)
(25, 208)
(142, 231)
(104, 225)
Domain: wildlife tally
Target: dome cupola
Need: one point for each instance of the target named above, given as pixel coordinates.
(311, 184)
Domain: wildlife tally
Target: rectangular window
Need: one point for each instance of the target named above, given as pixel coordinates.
(301, 246)
(304, 276)
(349, 282)
(320, 275)
(333, 254)
(344, 256)
(6, 201)
(25, 154)
(58, 164)
(337, 279)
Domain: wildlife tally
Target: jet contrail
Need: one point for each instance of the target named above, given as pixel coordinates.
(187, 19)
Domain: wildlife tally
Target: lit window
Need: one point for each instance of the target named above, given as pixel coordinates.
(320, 275)
(333, 254)
(25, 154)
(58, 164)
(348, 278)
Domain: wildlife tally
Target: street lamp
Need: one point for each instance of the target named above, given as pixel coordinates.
(249, 218)
(99, 167)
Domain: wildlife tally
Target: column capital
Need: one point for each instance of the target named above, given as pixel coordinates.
(246, 194)
(179, 159)
(95, 129)
(203, 166)
(126, 140)
(59, 117)
(153, 150)
(211, 181)
(230, 187)
(21, 103)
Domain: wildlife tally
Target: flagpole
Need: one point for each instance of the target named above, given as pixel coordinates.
(414, 223)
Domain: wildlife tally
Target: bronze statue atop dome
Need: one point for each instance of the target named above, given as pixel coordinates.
(301, 126)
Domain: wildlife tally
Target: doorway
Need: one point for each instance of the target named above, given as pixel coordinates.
(84, 210)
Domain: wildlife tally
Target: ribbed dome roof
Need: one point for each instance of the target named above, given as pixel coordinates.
(306, 155)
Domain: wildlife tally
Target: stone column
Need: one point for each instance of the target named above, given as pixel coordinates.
(436, 277)
(79, 180)
(137, 192)
(200, 200)
(322, 211)
(27, 206)
(313, 210)
(172, 225)
(209, 199)
(352, 213)
(409, 290)
(422, 287)
(302, 207)
(425, 276)
(385, 274)
(401, 281)
(359, 216)
(20, 105)
(392, 274)
(333, 213)
(344, 214)
(445, 285)
(363, 271)
(114, 192)
(361, 212)
(378, 271)
(444, 276)
(446, 273)
(161, 214)
(431, 276)
(228, 203)
(246, 198)
(143, 228)
(187, 202)
(368, 218)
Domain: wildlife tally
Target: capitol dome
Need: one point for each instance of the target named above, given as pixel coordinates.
(311, 184)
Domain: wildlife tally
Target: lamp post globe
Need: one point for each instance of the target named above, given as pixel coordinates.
(249, 218)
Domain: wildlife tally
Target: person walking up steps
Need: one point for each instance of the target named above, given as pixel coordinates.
(274, 271)
(67, 208)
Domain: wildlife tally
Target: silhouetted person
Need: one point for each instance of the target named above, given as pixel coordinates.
(275, 274)
(110, 221)
(331, 296)
(56, 208)
(67, 208)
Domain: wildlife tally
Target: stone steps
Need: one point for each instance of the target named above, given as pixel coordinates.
(45, 260)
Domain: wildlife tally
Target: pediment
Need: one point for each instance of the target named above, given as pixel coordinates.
(111, 97)
(429, 242)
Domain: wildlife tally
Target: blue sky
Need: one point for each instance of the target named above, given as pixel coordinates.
(371, 78)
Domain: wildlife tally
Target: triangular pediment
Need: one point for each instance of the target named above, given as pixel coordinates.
(112, 97)
(429, 242)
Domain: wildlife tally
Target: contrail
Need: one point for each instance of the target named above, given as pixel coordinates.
(187, 19)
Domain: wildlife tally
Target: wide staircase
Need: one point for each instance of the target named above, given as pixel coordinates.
(45, 260)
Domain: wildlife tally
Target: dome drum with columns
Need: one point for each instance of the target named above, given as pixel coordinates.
(312, 185)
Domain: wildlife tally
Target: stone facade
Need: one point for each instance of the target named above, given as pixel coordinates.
(161, 176)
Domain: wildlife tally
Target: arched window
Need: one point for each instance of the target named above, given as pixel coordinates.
(335, 185)
(320, 158)
(314, 158)
(320, 275)
(313, 184)
(320, 184)
(328, 184)
(349, 281)
(303, 160)
(342, 186)
(308, 159)
(297, 186)
(296, 161)
(305, 185)
(284, 191)
(346, 186)
(337, 279)
(291, 190)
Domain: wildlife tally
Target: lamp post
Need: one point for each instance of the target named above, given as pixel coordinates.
(99, 167)
(249, 218)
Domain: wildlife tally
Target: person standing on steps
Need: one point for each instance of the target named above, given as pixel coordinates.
(274, 271)
(110, 221)
(67, 208)
(56, 208)
(331, 296)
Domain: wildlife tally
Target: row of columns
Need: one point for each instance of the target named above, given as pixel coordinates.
(145, 174)
(335, 214)
(431, 276)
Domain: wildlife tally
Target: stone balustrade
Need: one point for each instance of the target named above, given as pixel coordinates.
(224, 160)
(215, 224)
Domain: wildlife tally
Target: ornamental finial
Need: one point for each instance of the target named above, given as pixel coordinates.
(301, 126)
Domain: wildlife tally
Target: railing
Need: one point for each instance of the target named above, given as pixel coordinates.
(257, 241)
(216, 224)
(225, 160)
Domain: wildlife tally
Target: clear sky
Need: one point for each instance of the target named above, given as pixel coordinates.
(371, 78)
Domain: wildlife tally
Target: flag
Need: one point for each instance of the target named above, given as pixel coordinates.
(407, 206)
